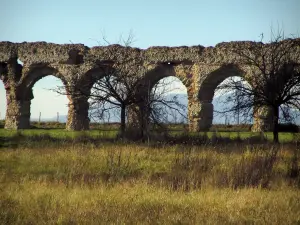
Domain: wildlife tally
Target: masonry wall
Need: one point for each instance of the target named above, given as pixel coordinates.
(200, 68)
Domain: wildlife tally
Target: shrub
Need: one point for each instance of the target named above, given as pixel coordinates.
(293, 169)
(119, 167)
(255, 170)
(188, 171)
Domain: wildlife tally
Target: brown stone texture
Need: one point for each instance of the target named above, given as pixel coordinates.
(201, 70)
(263, 119)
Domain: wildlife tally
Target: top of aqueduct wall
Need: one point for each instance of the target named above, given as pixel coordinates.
(43, 52)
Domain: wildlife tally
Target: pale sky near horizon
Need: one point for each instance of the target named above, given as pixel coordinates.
(154, 23)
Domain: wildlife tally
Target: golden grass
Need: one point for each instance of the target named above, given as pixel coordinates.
(137, 203)
(132, 184)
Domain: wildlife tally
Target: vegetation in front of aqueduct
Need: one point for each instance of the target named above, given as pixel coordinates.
(88, 182)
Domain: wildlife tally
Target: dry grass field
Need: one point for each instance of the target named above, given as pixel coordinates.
(60, 182)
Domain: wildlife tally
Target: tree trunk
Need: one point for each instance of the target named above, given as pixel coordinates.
(275, 125)
(123, 117)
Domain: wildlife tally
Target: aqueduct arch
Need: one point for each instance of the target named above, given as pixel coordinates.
(31, 76)
(159, 72)
(151, 77)
(199, 68)
(213, 79)
(207, 91)
(79, 119)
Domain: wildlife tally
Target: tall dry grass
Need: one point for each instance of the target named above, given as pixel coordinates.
(139, 184)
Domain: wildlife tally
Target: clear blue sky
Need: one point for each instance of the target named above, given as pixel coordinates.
(164, 22)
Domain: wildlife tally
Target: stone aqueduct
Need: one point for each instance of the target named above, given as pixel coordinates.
(201, 70)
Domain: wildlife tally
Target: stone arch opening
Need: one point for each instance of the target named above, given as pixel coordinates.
(168, 94)
(207, 92)
(36, 73)
(171, 91)
(99, 111)
(48, 105)
(215, 78)
(104, 108)
(222, 104)
(162, 71)
(40, 97)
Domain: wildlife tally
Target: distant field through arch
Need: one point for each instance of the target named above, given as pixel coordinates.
(172, 89)
(221, 104)
(48, 102)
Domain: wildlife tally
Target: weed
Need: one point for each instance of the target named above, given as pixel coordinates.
(254, 170)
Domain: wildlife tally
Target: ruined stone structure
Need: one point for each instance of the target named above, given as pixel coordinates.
(201, 70)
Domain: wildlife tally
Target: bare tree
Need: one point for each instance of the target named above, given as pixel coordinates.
(274, 79)
(117, 87)
(100, 111)
(112, 92)
(164, 107)
(158, 104)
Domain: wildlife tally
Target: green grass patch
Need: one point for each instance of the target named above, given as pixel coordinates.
(58, 133)
(61, 133)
